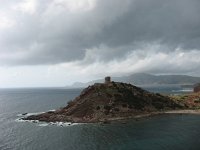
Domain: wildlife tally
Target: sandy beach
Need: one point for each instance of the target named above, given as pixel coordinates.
(183, 111)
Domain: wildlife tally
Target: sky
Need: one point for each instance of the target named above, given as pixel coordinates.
(47, 43)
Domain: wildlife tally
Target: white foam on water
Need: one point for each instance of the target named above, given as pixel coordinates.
(19, 120)
(22, 120)
(43, 124)
(63, 124)
(52, 110)
(58, 124)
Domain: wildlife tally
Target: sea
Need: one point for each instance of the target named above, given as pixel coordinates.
(163, 132)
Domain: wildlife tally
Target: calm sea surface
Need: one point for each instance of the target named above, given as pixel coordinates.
(165, 132)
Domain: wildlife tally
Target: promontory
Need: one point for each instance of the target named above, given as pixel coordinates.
(110, 101)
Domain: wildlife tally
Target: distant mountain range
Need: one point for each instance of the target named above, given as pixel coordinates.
(146, 79)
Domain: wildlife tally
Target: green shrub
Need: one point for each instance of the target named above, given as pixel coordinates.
(116, 109)
(124, 105)
(98, 107)
(107, 107)
(70, 103)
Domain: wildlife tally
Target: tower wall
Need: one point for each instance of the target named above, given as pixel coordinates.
(107, 80)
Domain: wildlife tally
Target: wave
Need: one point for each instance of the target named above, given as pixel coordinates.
(43, 124)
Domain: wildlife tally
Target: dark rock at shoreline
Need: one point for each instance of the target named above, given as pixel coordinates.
(112, 101)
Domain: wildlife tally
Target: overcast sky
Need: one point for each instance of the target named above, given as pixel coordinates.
(57, 42)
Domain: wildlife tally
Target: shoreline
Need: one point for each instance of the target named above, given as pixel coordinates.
(121, 119)
(152, 114)
(135, 117)
(184, 111)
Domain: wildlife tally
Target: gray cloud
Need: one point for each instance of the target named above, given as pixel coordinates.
(111, 29)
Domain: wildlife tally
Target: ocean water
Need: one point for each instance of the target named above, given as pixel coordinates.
(164, 132)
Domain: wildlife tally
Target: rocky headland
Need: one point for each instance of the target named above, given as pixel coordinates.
(110, 101)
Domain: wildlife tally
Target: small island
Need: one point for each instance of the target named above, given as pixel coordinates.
(110, 101)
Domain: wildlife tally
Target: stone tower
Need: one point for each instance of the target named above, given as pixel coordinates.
(196, 88)
(107, 80)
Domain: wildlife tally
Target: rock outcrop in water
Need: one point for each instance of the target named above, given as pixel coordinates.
(109, 101)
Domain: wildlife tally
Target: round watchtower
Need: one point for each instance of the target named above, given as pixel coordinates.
(107, 80)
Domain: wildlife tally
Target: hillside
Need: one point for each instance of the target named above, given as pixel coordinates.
(147, 79)
(110, 101)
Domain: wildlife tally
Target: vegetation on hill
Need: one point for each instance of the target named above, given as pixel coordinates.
(191, 100)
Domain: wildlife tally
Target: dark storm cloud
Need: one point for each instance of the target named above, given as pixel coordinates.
(111, 28)
(174, 23)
